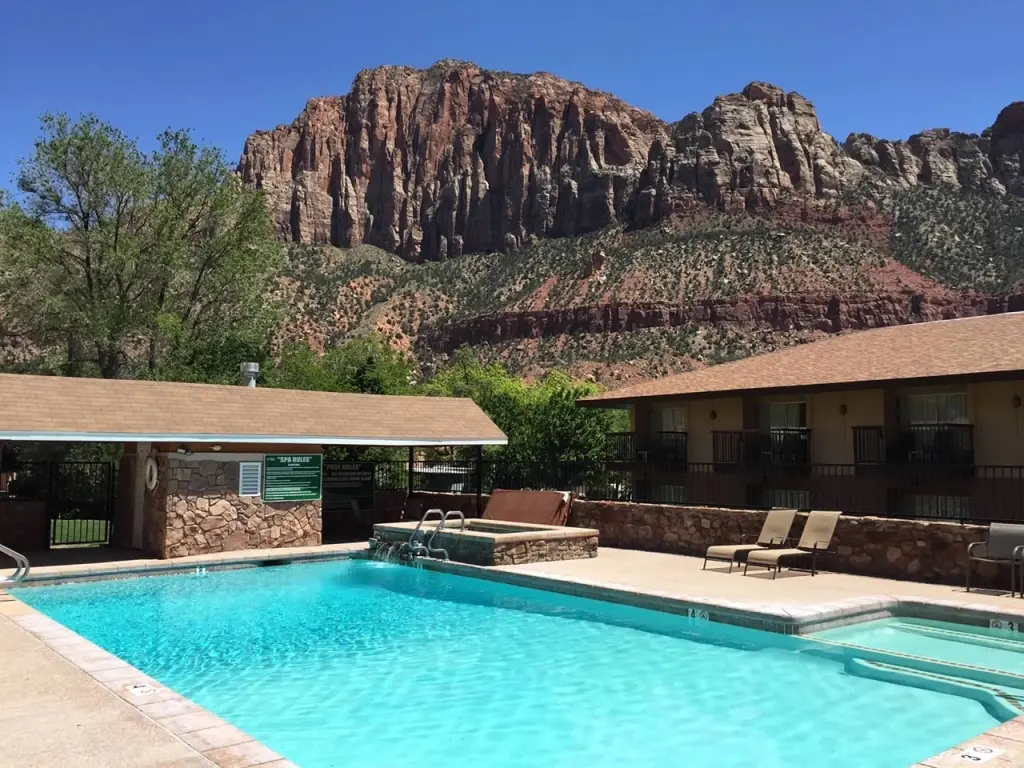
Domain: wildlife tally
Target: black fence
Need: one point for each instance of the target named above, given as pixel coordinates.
(961, 493)
(79, 497)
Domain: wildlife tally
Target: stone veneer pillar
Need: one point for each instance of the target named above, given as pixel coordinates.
(195, 509)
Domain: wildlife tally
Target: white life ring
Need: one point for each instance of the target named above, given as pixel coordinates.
(151, 473)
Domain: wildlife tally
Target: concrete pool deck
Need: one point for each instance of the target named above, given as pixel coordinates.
(75, 709)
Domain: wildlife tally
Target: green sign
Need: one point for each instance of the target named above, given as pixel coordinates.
(292, 478)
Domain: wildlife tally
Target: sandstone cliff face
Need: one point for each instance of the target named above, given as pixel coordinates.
(433, 163)
(823, 313)
(430, 164)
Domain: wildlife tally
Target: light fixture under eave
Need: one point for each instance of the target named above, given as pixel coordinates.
(214, 447)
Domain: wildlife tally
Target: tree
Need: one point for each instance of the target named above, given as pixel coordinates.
(543, 423)
(368, 365)
(117, 262)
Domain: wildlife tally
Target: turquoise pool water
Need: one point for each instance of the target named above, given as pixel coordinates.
(957, 643)
(353, 663)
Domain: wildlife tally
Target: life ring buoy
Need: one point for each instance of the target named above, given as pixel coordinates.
(151, 473)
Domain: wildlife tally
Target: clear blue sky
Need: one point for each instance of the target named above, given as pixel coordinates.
(227, 67)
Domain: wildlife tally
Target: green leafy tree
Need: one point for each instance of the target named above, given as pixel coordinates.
(543, 423)
(368, 365)
(120, 263)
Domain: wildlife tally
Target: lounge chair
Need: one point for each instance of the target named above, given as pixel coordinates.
(1003, 544)
(531, 507)
(774, 532)
(816, 538)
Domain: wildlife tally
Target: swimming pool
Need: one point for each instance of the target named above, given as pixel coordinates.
(354, 663)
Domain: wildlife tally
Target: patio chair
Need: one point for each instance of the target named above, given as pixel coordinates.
(1003, 544)
(816, 539)
(774, 532)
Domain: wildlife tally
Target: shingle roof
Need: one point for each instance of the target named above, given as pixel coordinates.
(986, 344)
(55, 408)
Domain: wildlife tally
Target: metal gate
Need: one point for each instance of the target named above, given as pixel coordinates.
(80, 502)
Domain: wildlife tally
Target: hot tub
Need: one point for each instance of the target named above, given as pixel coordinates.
(494, 542)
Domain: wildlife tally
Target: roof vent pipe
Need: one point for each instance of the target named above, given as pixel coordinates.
(249, 373)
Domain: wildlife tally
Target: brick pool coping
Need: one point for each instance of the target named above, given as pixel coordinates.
(227, 746)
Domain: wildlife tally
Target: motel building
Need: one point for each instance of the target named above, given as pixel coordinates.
(920, 420)
(209, 468)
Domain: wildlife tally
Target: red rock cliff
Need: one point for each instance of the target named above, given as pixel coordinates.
(433, 163)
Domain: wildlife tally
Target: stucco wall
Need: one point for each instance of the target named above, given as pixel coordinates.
(699, 442)
(832, 430)
(998, 426)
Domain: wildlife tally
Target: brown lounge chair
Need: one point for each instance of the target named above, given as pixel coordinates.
(774, 533)
(816, 538)
(531, 507)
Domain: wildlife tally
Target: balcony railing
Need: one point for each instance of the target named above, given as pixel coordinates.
(942, 444)
(779, 445)
(620, 446)
(668, 447)
(869, 445)
(727, 447)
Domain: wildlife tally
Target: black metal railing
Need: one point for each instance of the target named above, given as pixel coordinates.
(942, 444)
(977, 494)
(79, 497)
(778, 445)
(868, 445)
(620, 446)
(727, 447)
(668, 447)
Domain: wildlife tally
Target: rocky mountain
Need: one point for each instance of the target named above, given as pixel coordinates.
(593, 235)
(430, 164)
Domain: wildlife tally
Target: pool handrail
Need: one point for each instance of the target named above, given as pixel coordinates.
(21, 567)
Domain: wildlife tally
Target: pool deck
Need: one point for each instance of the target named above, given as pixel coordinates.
(75, 706)
(68, 702)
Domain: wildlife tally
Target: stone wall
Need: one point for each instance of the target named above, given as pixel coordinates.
(196, 509)
(919, 550)
(24, 525)
(484, 550)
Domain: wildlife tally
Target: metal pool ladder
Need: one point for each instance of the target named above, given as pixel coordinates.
(450, 515)
(414, 548)
(21, 567)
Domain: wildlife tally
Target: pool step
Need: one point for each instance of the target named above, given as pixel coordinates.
(960, 636)
(999, 702)
(925, 664)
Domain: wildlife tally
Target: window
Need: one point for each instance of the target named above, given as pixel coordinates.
(670, 494)
(250, 478)
(668, 420)
(950, 408)
(775, 497)
(783, 415)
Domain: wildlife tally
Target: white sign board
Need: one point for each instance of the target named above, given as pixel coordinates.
(978, 753)
(1009, 626)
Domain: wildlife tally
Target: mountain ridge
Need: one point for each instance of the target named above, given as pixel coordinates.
(434, 163)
